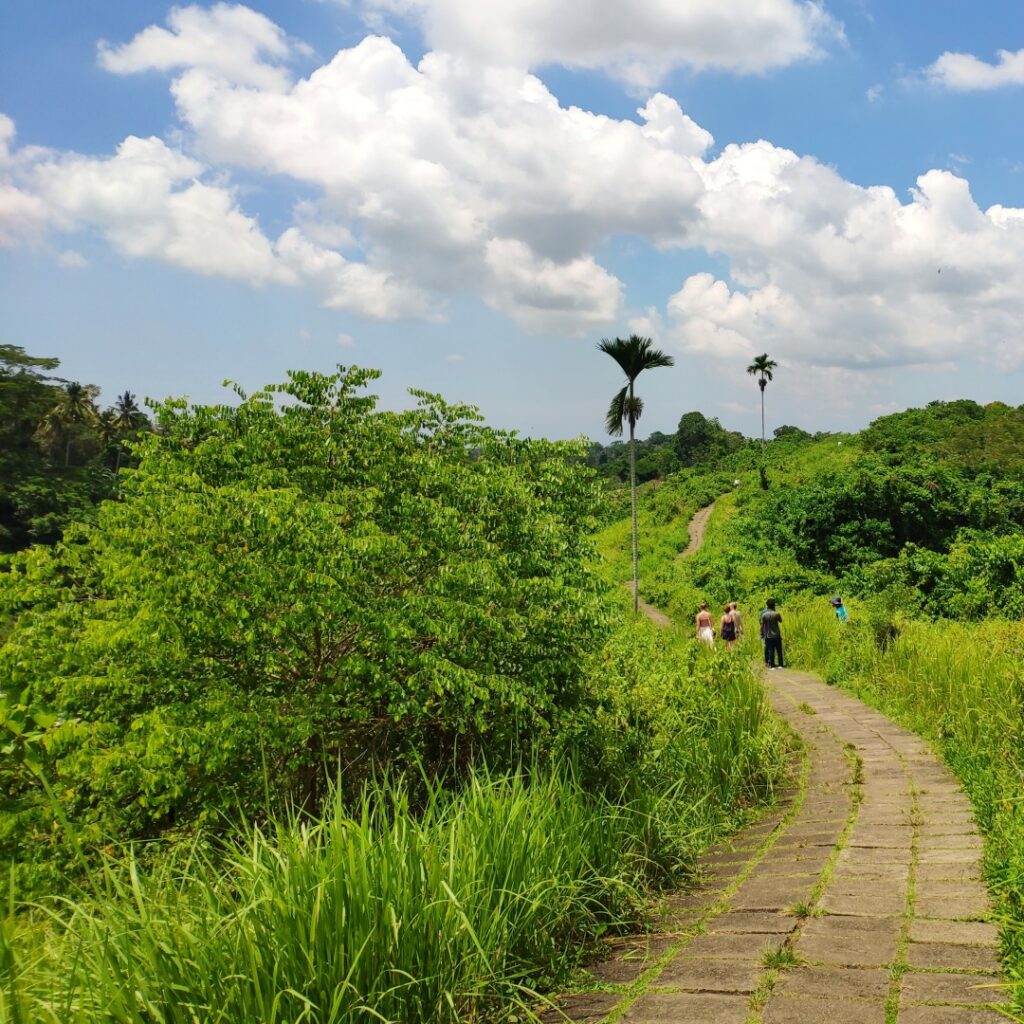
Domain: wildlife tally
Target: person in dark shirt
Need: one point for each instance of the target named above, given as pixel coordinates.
(771, 634)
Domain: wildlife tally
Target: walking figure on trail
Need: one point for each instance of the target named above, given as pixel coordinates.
(705, 630)
(728, 627)
(737, 618)
(771, 634)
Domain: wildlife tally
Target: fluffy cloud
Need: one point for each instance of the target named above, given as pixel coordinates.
(832, 274)
(542, 295)
(638, 42)
(227, 40)
(147, 201)
(439, 169)
(419, 182)
(963, 72)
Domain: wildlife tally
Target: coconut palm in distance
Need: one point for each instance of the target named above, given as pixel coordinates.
(129, 418)
(762, 368)
(634, 355)
(77, 407)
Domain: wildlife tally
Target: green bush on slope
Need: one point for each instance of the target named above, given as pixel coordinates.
(430, 914)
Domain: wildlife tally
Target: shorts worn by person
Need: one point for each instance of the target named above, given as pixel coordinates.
(771, 634)
(705, 630)
(727, 626)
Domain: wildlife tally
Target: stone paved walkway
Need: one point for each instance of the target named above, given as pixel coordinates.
(858, 901)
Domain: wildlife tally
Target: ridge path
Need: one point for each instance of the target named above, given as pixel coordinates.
(858, 900)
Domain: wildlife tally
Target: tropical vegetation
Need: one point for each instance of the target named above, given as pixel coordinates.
(347, 689)
(59, 454)
(918, 523)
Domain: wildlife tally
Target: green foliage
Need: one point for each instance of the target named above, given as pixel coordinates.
(297, 582)
(58, 457)
(918, 523)
(440, 912)
(700, 440)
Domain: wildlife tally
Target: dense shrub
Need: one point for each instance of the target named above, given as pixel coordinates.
(297, 582)
(470, 901)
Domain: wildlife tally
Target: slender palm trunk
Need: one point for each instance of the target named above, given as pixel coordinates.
(67, 450)
(762, 422)
(632, 494)
(764, 468)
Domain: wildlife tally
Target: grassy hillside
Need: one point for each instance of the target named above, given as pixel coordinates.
(918, 522)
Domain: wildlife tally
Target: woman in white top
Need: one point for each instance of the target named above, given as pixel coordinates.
(705, 631)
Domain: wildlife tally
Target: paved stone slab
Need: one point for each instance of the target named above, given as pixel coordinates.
(734, 946)
(687, 1008)
(945, 956)
(713, 975)
(864, 906)
(835, 982)
(948, 872)
(757, 921)
(773, 892)
(948, 1015)
(957, 933)
(587, 1008)
(951, 988)
(951, 906)
(850, 941)
(806, 1010)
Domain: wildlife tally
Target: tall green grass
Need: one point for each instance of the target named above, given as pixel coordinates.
(960, 685)
(458, 909)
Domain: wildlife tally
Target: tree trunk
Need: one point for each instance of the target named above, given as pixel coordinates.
(764, 468)
(67, 450)
(632, 492)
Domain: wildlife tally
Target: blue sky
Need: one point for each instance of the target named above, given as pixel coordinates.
(470, 204)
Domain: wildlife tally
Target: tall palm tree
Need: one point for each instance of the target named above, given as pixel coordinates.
(634, 355)
(76, 407)
(129, 418)
(127, 412)
(762, 368)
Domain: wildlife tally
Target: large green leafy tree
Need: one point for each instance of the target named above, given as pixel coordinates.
(298, 583)
(762, 368)
(634, 355)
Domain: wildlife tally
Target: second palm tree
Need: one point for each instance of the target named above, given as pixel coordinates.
(762, 368)
(634, 355)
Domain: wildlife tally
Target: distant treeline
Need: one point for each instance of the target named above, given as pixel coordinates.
(698, 441)
(59, 452)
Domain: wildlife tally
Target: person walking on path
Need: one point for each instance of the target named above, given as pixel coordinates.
(841, 614)
(728, 627)
(737, 618)
(771, 634)
(705, 631)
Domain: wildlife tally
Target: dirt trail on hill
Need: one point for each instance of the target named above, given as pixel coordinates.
(698, 524)
(857, 900)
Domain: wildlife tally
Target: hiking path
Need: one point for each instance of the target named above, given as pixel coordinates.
(857, 900)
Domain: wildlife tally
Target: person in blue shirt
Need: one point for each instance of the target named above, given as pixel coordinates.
(841, 613)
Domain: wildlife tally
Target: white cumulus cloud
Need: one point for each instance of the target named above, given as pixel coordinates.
(963, 72)
(229, 40)
(413, 183)
(637, 42)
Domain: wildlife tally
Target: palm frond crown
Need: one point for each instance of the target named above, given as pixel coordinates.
(762, 366)
(635, 354)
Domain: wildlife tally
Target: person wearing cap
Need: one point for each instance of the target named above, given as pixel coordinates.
(841, 613)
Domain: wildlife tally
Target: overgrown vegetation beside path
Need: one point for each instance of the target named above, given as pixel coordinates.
(331, 717)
